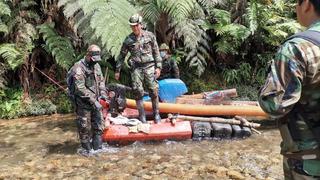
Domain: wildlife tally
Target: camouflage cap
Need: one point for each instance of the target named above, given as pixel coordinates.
(164, 46)
(135, 19)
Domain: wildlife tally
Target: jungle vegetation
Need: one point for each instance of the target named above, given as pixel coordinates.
(227, 43)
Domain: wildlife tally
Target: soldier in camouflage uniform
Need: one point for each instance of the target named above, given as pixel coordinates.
(291, 95)
(89, 86)
(170, 68)
(145, 65)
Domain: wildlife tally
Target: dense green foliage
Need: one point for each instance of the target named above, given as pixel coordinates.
(226, 43)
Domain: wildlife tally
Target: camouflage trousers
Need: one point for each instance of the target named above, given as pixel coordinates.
(144, 77)
(89, 122)
(293, 170)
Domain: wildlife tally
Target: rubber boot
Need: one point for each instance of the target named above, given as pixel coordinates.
(97, 142)
(86, 146)
(155, 108)
(142, 114)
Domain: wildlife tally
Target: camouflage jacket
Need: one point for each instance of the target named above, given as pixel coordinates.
(143, 51)
(88, 83)
(291, 92)
(169, 69)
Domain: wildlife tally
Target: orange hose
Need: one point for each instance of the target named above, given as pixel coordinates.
(191, 109)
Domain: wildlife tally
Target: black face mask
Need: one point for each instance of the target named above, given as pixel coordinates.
(92, 63)
(92, 55)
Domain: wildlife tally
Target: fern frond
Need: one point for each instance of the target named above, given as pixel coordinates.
(179, 10)
(151, 11)
(210, 3)
(108, 21)
(27, 4)
(252, 12)
(27, 34)
(4, 9)
(221, 16)
(59, 47)
(3, 28)
(11, 55)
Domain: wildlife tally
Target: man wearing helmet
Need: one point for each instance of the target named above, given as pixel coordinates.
(86, 85)
(170, 68)
(145, 65)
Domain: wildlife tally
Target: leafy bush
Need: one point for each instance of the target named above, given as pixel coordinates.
(10, 103)
(38, 107)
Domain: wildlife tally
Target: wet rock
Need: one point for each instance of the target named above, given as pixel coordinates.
(155, 157)
(275, 160)
(195, 158)
(235, 175)
(31, 125)
(146, 177)
(212, 168)
(221, 171)
(269, 178)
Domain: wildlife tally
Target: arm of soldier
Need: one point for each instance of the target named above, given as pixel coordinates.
(80, 89)
(156, 56)
(102, 86)
(282, 89)
(120, 59)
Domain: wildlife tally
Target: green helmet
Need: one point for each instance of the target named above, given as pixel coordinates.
(135, 19)
(164, 46)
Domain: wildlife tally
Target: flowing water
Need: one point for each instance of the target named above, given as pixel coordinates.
(46, 148)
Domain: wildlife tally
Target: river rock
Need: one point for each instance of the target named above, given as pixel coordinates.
(222, 171)
(235, 175)
(146, 176)
(212, 168)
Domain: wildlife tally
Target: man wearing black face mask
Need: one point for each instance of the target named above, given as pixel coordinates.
(170, 68)
(88, 86)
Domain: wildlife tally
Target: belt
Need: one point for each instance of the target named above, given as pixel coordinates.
(135, 64)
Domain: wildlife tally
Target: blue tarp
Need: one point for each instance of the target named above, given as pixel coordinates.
(169, 90)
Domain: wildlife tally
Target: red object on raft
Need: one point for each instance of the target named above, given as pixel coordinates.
(165, 130)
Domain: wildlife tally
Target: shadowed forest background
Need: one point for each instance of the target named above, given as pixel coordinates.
(217, 44)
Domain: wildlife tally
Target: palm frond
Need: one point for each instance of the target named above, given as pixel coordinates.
(107, 20)
(152, 10)
(221, 16)
(59, 47)
(3, 28)
(25, 4)
(210, 3)
(179, 10)
(4, 9)
(11, 55)
(252, 12)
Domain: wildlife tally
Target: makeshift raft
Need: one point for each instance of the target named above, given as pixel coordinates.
(214, 104)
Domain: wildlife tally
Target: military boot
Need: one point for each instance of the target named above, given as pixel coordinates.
(97, 142)
(155, 108)
(142, 114)
(86, 146)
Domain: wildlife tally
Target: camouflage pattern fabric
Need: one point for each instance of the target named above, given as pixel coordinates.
(291, 95)
(146, 77)
(144, 58)
(89, 123)
(169, 69)
(88, 86)
(143, 51)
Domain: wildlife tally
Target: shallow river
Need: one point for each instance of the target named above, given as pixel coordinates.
(46, 148)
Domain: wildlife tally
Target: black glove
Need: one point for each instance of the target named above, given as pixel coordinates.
(97, 105)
